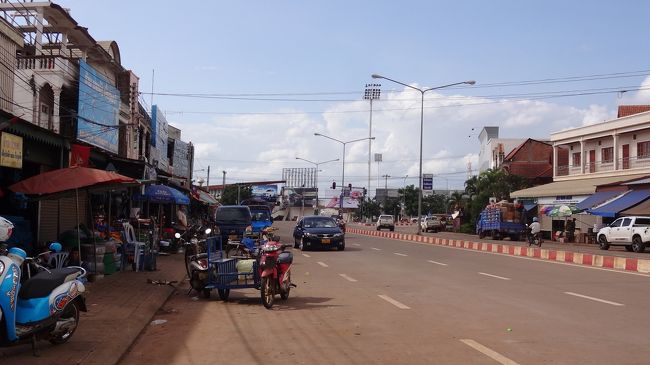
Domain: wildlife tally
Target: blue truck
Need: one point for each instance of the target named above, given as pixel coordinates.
(492, 222)
(261, 217)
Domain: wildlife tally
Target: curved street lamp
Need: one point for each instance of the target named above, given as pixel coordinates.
(344, 143)
(316, 164)
(422, 92)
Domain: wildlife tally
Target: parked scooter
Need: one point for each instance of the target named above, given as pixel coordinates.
(248, 247)
(45, 305)
(275, 272)
(196, 261)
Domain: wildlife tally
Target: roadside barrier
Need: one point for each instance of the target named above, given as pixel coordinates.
(579, 258)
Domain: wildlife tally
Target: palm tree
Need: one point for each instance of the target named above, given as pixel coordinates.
(456, 200)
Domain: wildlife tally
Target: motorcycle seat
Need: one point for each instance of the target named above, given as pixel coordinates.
(42, 284)
(285, 258)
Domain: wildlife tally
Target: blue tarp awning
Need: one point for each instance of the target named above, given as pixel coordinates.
(628, 200)
(163, 194)
(597, 199)
(529, 206)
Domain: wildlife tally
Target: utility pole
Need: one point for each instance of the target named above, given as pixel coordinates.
(385, 189)
(208, 182)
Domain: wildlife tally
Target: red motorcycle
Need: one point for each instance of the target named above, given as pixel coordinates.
(275, 272)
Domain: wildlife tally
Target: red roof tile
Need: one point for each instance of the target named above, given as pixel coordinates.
(625, 110)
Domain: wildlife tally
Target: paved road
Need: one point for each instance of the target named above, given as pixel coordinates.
(384, 301)
(618, 251)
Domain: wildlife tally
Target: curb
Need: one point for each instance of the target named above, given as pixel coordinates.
(578, 258)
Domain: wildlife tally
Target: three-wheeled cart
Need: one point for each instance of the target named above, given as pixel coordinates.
(226, 273)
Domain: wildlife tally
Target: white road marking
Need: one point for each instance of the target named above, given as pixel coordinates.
(594, 299)
(494, 276)
(304, 254)
(437, 263)
(399, 254)
(394, 302)
(376, 249)
(488, 352)
(356, 244)
(348, 278)
(322, 264)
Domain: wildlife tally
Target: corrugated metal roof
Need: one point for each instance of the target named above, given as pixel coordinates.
(570, 187)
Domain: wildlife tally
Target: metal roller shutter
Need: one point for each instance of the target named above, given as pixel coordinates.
(47, 224)
(68, 215)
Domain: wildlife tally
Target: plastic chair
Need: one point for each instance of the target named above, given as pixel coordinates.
(132, 246)
(57, 260)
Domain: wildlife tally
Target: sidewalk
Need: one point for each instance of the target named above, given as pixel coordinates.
(120, 306)
(580, 254)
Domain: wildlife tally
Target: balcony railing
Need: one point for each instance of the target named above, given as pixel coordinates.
(635, 162)
(42, 63)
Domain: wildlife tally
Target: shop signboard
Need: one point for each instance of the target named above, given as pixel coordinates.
(12, 151)
(427, 182)
(159, 138)
(99, 105)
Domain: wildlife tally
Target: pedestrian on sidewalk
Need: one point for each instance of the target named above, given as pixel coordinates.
(570, 230)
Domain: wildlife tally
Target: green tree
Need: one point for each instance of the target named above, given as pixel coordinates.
(491, 183)
(434, 204)
(456, 201)
(368, 208)
(409, 196)
(229, 194)
(392, 206)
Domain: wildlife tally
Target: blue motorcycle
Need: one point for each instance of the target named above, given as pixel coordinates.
(44, 306)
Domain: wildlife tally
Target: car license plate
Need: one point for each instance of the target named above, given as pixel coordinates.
(325, 240)
(232, 237)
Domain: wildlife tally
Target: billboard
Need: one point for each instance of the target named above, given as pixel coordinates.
(295, 197)
(268, 193)
(159, 139)
(301, 177)
(349, 202)
(99, 106)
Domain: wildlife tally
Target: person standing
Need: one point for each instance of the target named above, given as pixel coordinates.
(570, 230)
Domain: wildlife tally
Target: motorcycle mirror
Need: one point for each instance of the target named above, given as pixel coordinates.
(208, 231)
(177, 235)
(55, 247)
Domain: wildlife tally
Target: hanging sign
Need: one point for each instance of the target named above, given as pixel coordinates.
(12, 151)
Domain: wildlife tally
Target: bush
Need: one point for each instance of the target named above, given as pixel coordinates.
(467, 228)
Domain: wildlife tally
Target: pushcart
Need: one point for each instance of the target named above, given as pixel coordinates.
(226, 273)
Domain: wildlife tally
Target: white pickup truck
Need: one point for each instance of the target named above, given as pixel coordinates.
(631, 232)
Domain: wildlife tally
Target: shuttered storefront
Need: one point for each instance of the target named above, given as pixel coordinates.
(57, 216)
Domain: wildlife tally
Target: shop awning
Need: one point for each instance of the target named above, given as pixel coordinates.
(163, 194)
(626, 201)
(597, 199)
(642, 208)
(529, 206)
(571, 187)
(204, 197)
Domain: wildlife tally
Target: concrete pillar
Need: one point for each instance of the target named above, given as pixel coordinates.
(56, 119)
(39, 32)
(583, 159)
(555, 161)
(616, 164)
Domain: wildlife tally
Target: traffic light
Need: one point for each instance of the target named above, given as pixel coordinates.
(333, 184)
(350, 186)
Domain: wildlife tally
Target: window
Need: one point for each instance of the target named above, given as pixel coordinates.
(643, 150)
(576, 159)
(626, 222)
(642, 222)
(607, 154)
(617, 223)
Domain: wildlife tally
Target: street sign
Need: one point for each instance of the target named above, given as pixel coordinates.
(427, 182)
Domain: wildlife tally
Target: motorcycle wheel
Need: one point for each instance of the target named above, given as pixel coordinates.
(205, 293)
(266, 292)
(284, 295)
(70, 313)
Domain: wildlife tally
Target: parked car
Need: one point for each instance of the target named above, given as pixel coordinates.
(386, 221)
(315, 231)
(434, 223)
(233, 221)
(631, 232)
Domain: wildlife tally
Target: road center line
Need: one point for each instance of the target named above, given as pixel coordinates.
(394, 302)
(488, 352)
(322, 264)
(594, 299)
(437, 263)
(494, 276)
(376, 249)
(348, 278)
(399, 254)
(304, 254)
(356, 244)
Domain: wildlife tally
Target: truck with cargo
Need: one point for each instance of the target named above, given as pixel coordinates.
(499, 221)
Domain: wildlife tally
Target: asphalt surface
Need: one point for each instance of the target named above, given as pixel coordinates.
(386, 301)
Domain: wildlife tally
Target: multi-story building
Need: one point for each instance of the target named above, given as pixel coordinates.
(493, 149)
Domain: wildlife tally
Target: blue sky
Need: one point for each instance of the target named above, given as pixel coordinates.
(329, 49)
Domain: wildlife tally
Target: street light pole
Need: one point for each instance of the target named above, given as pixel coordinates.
(371, 93)
(422, 92)
(344, 143)
(316, 164)
(385, 190)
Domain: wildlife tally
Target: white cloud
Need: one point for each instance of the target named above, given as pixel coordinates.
(257, 147)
